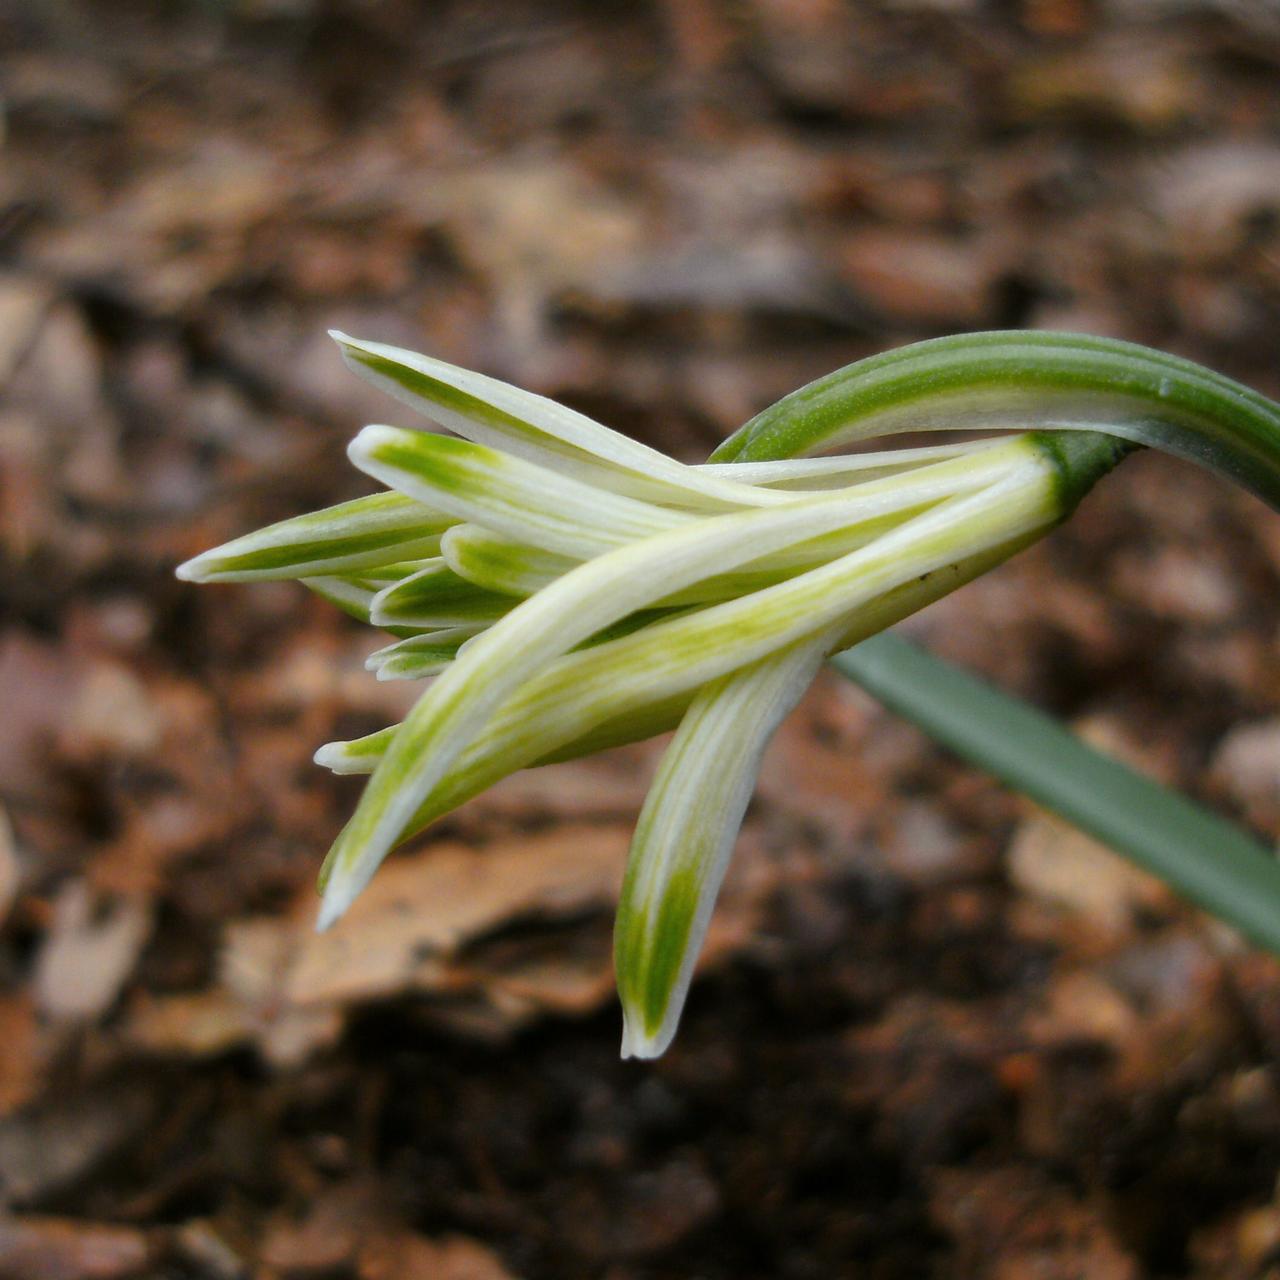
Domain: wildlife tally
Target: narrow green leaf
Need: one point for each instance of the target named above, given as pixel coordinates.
(1062, 381)
(1212, 862)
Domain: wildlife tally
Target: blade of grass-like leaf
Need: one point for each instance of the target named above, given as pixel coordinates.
(1213, 863)
(1065, 381)
(1030, 380)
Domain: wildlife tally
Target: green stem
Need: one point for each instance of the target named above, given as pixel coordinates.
(1029, 380)
(1212, 862)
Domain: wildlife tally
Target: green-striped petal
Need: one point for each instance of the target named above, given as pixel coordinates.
(686, 833)
(363, 533)
(507, 494)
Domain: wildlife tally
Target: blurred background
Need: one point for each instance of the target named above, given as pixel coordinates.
(937, 1034)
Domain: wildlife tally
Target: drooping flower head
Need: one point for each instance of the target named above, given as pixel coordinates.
(564, 589)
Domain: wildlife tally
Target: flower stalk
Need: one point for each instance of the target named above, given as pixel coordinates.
(565, 589)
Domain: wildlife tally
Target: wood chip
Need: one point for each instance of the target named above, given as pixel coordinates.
(85, 959)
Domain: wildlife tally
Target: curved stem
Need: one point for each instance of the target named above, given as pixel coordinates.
(1030, 380)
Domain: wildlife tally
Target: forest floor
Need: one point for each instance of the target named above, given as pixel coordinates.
(936, 1034)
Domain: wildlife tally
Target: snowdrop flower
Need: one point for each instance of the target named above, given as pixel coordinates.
(567, 589)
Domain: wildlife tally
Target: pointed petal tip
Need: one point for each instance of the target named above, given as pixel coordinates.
(367, 440)
(330, 756)
(338, 896)
(190, 570)
(325, 918)
(333, 756)
(640, 1044)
